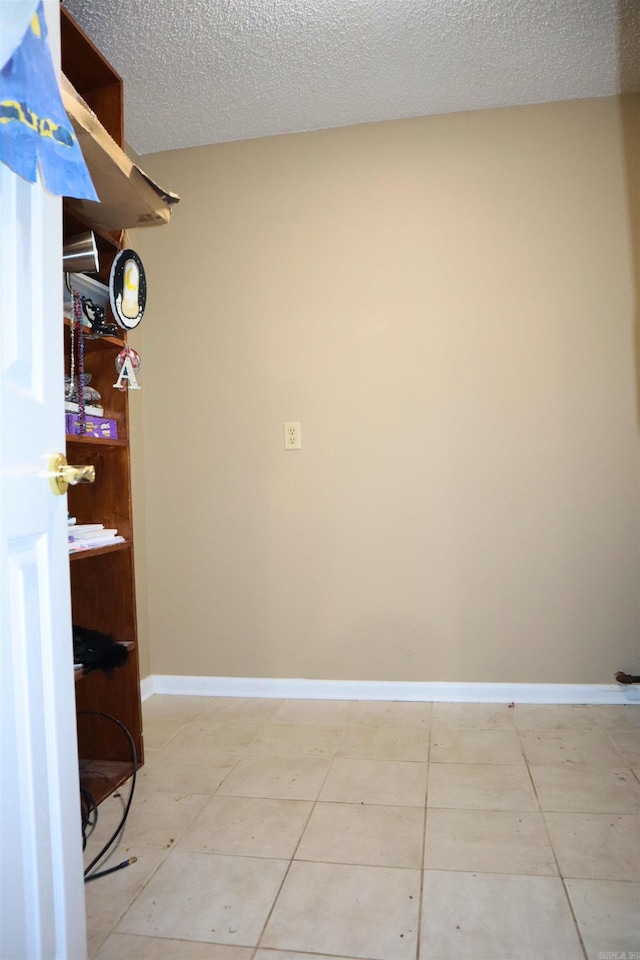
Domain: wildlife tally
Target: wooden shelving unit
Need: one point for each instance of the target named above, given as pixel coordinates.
(102, 579)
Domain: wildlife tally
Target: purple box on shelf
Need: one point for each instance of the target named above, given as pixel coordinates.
(93, 426)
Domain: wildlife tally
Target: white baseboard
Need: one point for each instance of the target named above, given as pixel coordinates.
(146, 688)
(298, 689)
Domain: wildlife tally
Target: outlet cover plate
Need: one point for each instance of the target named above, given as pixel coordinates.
(292, 437)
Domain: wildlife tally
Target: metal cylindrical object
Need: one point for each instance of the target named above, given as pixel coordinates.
(80, 254)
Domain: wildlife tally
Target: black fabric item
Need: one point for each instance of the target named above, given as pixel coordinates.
(97, 651)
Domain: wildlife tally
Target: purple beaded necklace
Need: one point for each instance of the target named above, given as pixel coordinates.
(77, 333)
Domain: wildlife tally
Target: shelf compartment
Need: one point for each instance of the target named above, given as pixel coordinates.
(103, 777)
(99, 739)
(92, 75)
(108, 499)
(99, 361)
(108, 242)
(102, 593)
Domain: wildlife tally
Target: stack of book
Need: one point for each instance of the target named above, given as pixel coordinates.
(89, 536)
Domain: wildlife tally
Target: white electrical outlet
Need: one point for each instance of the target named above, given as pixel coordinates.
(292, 439)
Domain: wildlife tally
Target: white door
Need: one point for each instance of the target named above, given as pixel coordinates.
(41, 882)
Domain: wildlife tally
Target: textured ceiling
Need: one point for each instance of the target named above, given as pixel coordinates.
(208, 71)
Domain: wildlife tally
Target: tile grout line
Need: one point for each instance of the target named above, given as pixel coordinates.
(555, 856)
(99, 945)
(299, 841)
(424, 846)
(623, 760)
(375, 866)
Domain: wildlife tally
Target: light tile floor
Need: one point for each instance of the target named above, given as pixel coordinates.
(292, 830)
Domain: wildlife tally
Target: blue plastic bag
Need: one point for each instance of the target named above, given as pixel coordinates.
(34, 127)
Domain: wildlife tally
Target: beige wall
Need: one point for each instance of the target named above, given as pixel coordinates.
(447, 306)
(136, 428)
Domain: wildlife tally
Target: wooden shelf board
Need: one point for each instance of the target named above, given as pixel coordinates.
(98, 341)
(103, 777)
(98, 551)
(99, 441)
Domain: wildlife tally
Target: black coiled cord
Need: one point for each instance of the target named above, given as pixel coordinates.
(87, 799)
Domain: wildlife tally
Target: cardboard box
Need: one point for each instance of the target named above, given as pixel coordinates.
(99, 427)
(128, 197)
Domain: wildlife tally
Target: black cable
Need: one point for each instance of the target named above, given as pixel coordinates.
(103, 873)
(118, 831)
(88, 814)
